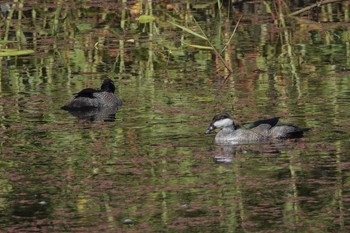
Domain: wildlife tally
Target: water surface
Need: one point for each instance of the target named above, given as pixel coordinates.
(152, 168)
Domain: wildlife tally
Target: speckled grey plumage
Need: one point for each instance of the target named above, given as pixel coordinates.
(260, 131)
(91, 98)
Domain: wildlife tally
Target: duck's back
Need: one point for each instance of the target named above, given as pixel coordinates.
(286, 131)
(107, 99)
(81, 103)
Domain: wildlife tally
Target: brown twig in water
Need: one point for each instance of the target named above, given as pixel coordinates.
(312, 6)
(233, 33)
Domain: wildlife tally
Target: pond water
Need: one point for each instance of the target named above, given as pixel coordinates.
(151, 168)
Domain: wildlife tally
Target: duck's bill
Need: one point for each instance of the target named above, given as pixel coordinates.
(210, 128)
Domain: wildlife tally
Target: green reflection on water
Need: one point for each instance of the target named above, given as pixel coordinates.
(153, 164)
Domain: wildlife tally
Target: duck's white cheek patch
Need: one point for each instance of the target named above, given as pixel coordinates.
(222, 123)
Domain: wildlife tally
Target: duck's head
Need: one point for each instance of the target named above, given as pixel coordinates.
(108, 85)
(220, 121)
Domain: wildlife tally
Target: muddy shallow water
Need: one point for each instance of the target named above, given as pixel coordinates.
(151, 168)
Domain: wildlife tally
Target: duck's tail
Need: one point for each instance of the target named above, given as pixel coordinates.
(298, 133)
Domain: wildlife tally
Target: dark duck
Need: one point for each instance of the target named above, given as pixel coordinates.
(90, 98)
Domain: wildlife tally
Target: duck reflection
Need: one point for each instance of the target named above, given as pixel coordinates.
(227, 153)
(96, 114)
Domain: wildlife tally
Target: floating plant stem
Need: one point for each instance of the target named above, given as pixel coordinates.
(205, 37)
(233, 33)
(317, 4)
(214, 49)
